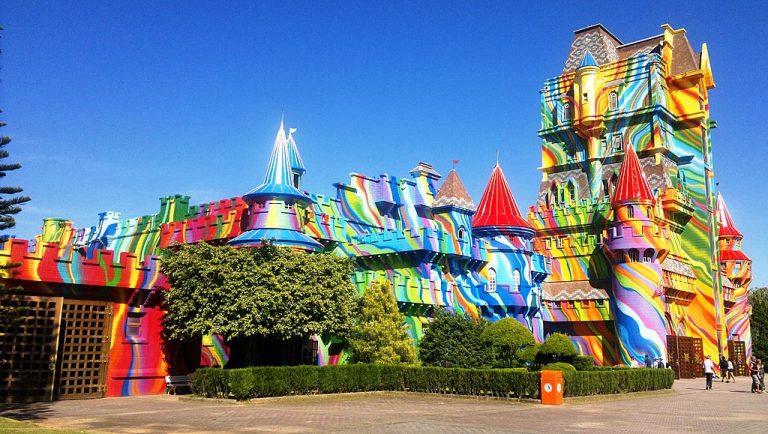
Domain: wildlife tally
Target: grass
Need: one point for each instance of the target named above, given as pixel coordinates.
(14, 426)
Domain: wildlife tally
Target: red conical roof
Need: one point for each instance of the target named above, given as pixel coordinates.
(632, 185)
(727, 228)
(498, 208)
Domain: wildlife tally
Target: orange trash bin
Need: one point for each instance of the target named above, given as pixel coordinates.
(552, 387)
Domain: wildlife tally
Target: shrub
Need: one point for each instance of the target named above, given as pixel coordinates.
(556, 348)
(558, 366)
(527, 355)
(507, 337)
(453, 341)
(600, 382)
(583, 363)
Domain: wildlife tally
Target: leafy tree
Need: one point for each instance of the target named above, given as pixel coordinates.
(267, 291)
(556, 348)
(507, 338)
(10, 205)
(453, 341)
(758, 299)
(379, 335)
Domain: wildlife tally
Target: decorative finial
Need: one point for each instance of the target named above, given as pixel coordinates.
(497, 157)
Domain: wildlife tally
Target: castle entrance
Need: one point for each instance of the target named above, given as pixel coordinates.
(686, 356)
(738, 352)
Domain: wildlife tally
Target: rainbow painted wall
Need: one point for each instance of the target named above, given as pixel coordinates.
(561, 268)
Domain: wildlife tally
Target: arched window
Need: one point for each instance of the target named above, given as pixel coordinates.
(648, 255)
(613, 100)
(617, 143)
(462, 233)
(614, 182)
(491, 287)
(650, 213)
(630, 211)
(571, 186)
(634, 255)
(567, 112)
(553, 193)
(516, 280)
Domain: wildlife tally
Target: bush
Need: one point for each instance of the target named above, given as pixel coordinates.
(507, 337)
(527, 356)
(556, 348)
(248, 383)
(453, 341)
(558, 366)
(583, 363)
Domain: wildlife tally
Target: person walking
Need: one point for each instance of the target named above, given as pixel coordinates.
(709, 371)
(754, 371)
(730, 372)
(761, 376)
(723, 368)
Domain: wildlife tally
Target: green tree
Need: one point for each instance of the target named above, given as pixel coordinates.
(267, 291)
(10, 204)
(379, 334)
(556, 348)
(453, 341)
(507, 338)
(758, 321)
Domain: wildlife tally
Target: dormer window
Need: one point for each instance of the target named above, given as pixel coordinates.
(613, 100)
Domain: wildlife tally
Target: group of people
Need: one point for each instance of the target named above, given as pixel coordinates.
(656, 362)
(756, 371)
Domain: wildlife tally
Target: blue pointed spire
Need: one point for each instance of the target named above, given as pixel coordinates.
(278, 179)
(587, 60)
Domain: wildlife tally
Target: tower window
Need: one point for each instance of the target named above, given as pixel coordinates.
(613, 100)
(630, 211)
(604, 145)
(566, 112)
(648, 255)
(516, 280)
(650, 212)
(585, 97)
(491, 287)
(462, 233)
(296, 180)
(634, 255)
(617, 143)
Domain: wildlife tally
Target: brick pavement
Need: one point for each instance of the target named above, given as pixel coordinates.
(727, 408)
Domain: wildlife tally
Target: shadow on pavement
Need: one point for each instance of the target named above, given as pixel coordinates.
(34, 411)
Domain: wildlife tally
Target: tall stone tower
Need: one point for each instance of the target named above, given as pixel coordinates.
(651, 94)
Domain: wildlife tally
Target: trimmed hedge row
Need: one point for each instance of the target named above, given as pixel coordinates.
(605, 382)
(259, 382)
(266, 381)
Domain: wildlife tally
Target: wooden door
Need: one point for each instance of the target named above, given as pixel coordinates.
(28, 349)
(698, 357)
(685, 356)
(737, 350)
(83, 349)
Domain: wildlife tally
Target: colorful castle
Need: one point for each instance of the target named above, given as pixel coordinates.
(629, 250)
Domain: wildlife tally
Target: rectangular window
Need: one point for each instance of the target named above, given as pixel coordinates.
(133, 324)
(618, 143)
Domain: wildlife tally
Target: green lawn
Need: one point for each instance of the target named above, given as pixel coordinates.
(13, 426)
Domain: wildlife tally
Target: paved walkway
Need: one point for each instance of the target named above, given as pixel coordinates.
(727, 408)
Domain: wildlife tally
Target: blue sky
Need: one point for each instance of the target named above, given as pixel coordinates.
(112, 105)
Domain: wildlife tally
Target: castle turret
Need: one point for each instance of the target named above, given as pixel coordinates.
(277, 206)
(736, 275)
(453, 208)
(637, 244)
(512, 264)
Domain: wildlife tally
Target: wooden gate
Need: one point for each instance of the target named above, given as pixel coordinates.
(81, 370)
(738, 353)
(28, 349)
(686, 356)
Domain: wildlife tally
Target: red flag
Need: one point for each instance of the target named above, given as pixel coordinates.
(455, 161)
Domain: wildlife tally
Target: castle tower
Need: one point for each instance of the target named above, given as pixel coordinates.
(736, 275)
(277, 206)
(636, 245)
(512, 263)
(453, 208)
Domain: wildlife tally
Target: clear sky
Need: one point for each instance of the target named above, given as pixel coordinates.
(112, 105)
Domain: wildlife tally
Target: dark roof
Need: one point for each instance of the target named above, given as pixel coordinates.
(453, 193)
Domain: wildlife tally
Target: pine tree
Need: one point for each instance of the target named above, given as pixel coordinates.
(10, 205)
(379, 335)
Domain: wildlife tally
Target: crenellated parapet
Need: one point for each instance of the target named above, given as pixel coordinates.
(48, 263)
(213, 222)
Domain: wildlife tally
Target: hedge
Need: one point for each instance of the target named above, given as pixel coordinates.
(247, 383)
